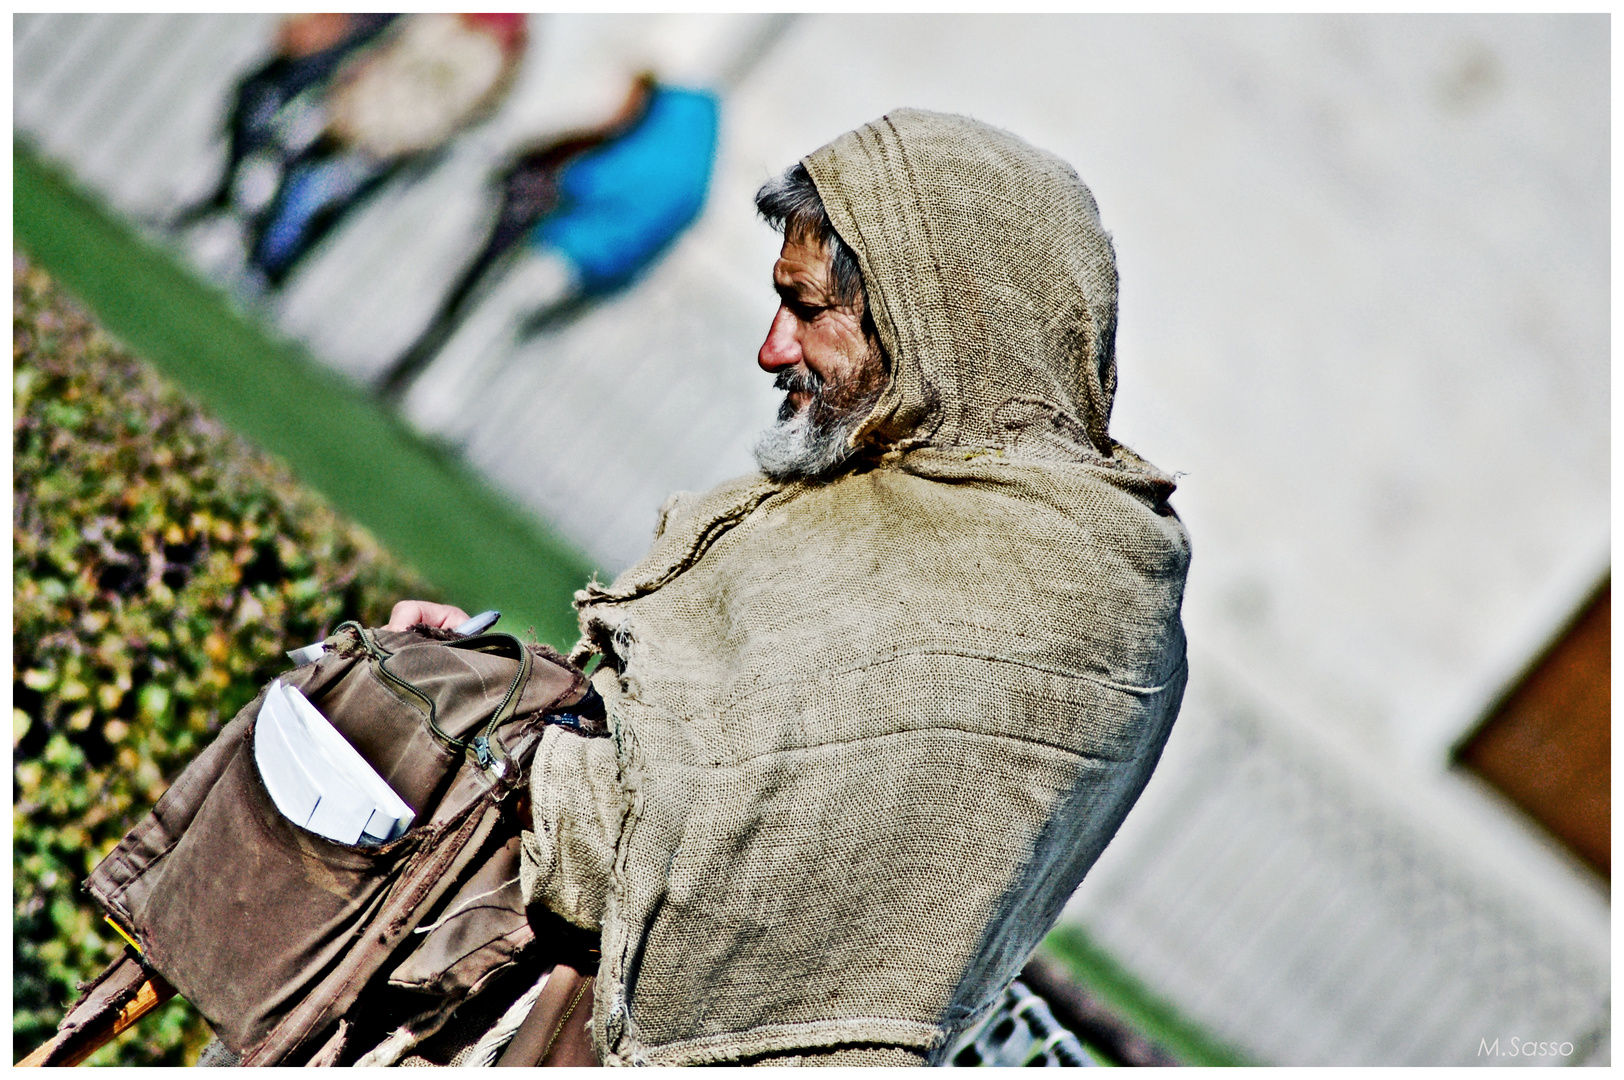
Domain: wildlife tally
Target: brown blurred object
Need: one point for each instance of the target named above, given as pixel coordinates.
(1090, 1019)
(1547, 746)
(436, 74)
(302, 35)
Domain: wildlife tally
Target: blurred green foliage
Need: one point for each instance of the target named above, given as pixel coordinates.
(160, 569)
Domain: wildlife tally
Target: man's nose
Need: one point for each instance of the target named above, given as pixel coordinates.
(781, 349)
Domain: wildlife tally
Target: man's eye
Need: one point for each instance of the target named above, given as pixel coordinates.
(805, 312)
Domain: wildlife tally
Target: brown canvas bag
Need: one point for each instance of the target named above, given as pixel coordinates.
(302, 950)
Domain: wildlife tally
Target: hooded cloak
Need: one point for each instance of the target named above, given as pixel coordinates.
(871, 731)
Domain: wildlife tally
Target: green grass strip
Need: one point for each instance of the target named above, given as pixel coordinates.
(1143, 1010)
(420, 502)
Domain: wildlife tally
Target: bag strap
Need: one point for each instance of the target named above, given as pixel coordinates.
(495, 642)
(124, 992)
(556, 1033)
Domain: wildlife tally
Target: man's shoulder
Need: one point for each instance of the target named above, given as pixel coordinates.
(682, 508)
(942, 496)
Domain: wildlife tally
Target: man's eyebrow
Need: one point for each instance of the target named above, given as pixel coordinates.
(791, 295)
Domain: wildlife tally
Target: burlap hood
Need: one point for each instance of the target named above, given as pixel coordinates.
(993, 285)
(871, 732)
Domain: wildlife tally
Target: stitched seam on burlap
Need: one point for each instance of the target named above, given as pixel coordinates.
(909, 733)
(932, 253)
(688, 557)
(864, 246)
(965, 654)
(617, 944)
(876, 1031)
(916, 335)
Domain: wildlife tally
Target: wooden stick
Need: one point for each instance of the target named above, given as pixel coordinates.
(74, 1047)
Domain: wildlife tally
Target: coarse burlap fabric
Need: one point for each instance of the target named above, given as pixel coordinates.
(871, 732)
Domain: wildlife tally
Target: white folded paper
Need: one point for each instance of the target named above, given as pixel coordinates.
(317, 779)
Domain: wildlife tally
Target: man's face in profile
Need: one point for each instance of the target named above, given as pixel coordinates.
(831, 371)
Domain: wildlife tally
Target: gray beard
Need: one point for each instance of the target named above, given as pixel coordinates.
(812, 441)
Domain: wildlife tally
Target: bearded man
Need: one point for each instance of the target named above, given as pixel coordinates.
(877, 710)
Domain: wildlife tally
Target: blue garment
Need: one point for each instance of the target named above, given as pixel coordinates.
(623, 202)
(313, 189)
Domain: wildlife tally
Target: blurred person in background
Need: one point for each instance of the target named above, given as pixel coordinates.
(345, 103)
(580, 216)
(877, 709)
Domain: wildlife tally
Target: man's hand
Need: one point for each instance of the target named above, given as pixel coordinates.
(409, 613)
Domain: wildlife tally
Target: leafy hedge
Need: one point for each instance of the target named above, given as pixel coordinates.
(161, 567)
